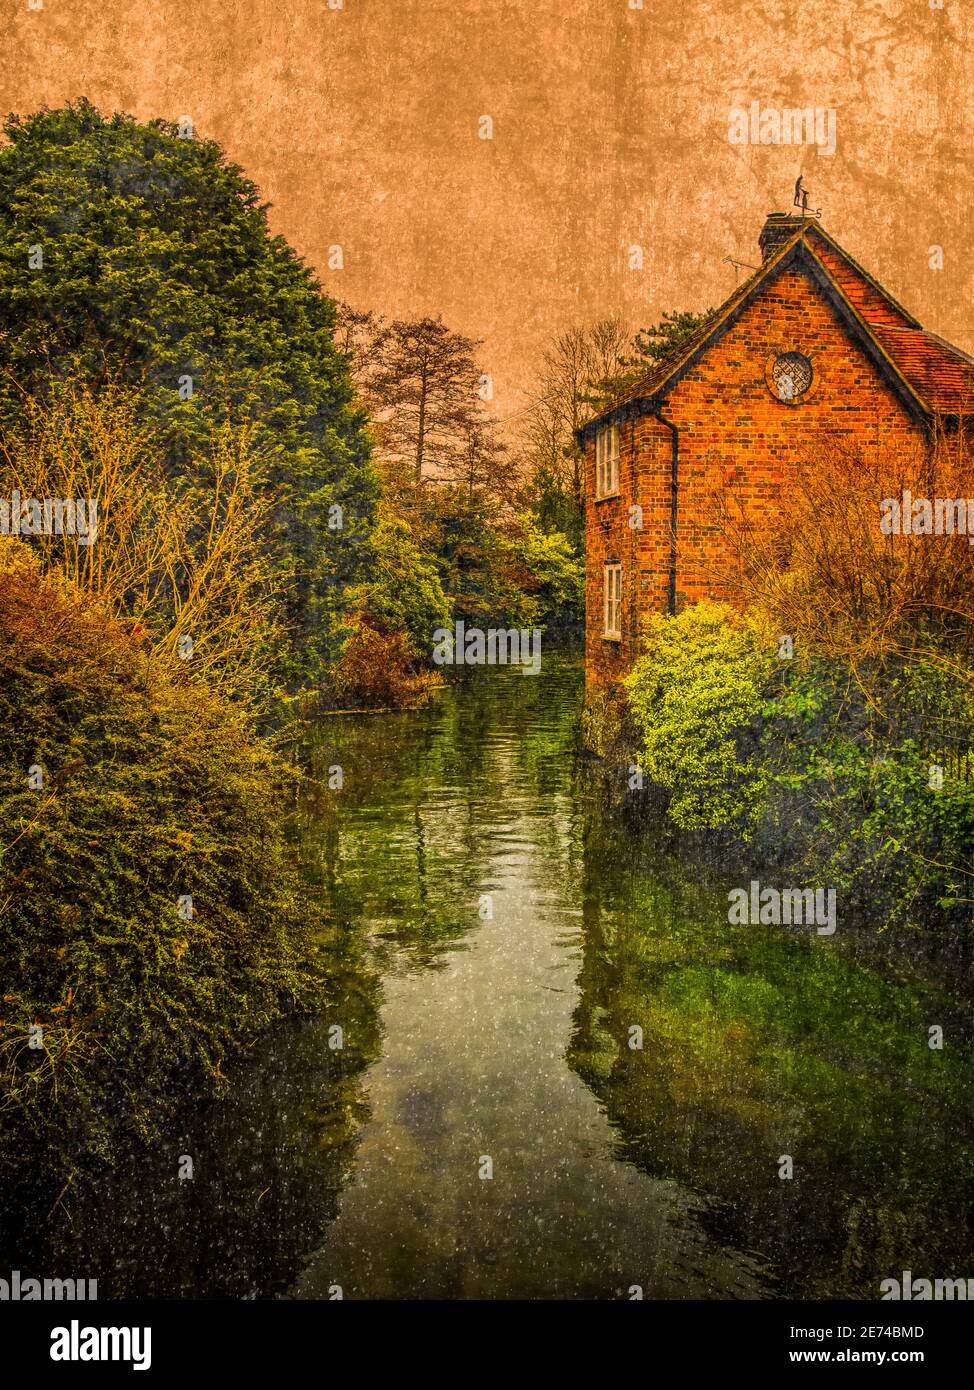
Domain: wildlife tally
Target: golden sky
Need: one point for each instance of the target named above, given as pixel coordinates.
(361, 124)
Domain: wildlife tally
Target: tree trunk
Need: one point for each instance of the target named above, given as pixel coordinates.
(421, 441)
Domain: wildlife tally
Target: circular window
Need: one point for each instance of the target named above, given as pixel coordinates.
(790, 376)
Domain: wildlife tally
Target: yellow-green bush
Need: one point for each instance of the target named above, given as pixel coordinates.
(697, 694)
(153, 790)
(813, 769)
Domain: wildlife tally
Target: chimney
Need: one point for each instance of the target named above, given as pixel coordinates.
(779, 228)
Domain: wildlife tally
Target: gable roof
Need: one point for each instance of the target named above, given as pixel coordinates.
(930, 375)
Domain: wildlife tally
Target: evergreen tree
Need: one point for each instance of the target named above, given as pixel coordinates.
(138, 251)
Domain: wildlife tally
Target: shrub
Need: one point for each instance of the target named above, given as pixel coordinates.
(177, 558)
(153, 790)
(851, 796)
(821, 772)
(404, 594)
(697, 693)
(378, 669)
(827, 573)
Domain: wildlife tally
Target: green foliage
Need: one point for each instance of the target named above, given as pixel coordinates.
(664, 339)
(852, 788)
(158, 265)
(696, 695)
(556, 570)
(650, 347)
(501, 570)
(153, 790)
(555, 508)
(459, 529)
(404, 594)
(794, 757)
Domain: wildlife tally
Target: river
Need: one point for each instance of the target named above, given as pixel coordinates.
(546, 1065)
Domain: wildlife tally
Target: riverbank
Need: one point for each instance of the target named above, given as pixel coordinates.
(859, 786)
(152, 925)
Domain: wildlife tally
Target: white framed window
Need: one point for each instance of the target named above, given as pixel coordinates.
(612, 602)
(607, 461)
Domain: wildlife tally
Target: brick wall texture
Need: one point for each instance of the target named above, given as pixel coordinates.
(736, 441)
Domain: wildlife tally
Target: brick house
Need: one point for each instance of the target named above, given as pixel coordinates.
(810, 346)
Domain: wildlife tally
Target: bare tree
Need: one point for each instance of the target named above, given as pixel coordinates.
(355, 332)
(423, 391)
(569, 389)
(827, 569)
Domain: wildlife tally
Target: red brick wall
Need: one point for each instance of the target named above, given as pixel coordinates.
(735, 437)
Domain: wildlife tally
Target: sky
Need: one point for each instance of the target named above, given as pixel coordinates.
(610, 184)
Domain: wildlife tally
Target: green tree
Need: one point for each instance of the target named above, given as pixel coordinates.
(404, 594)
(137, 250)
(555, 573)
(650, 347)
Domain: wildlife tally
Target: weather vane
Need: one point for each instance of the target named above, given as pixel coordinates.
(801, 199)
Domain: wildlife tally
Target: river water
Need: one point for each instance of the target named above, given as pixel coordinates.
(561, 1072)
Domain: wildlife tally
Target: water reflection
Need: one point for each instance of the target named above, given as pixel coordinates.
(496, 935)
(487, 1167)
(758, 1043)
